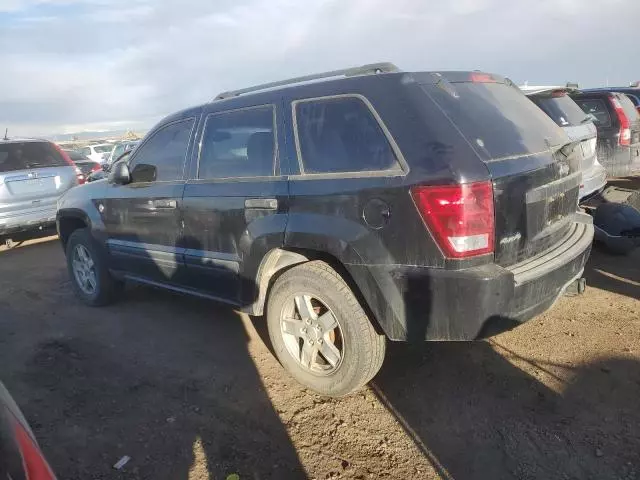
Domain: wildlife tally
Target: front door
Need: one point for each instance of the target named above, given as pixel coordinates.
(143, 218)
(234, 203)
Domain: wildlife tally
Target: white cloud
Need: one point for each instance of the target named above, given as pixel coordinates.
(81, 62)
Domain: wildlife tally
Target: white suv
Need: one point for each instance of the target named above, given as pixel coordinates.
(96, 152)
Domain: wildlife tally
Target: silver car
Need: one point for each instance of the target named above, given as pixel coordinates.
(33, 174)
(556, 103)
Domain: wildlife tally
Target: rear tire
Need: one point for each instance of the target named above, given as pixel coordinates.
(333, 348)
(87, 266)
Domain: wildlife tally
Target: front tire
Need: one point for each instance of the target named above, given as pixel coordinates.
(320, 333)
(87, 265)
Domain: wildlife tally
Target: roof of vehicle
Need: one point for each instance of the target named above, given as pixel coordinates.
(22, 140)
(535, 89)
(596, 91)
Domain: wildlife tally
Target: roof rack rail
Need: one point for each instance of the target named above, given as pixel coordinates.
(373, 68)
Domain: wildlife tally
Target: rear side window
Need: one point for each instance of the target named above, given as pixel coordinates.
(560, 108)
(238, 143)
(339, 135)
(29, 155)
(496, 118)
(596, 107)
(162, 157)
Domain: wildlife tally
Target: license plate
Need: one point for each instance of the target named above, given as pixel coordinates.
(31, 186)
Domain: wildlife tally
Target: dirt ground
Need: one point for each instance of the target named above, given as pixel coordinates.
(189, 389)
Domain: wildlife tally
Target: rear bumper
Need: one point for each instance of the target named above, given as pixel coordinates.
(593, 180)
(26, 222)
(620, 161)
(419, 303)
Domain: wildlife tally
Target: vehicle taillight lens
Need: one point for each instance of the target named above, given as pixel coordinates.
(460, 217)
(477, 77)
(34, 464)
(80, 176)
(625, 126)
(96, 168)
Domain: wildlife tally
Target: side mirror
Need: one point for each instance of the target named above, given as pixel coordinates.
(120, 174)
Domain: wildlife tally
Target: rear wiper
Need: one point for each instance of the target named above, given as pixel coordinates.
(588, 118)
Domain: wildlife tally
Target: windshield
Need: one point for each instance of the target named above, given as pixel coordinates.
(497, 118)
(103, 148)
(29, 155)
(562, 110)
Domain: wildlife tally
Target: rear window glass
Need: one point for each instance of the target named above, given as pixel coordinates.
(338, 135)
(561, 109)
(597, 108)
(497, 118)
(29, 155)
(76, 156)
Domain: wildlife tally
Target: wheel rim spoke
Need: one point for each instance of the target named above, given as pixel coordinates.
(308, 354)
(327, 321)
(304, 307)
(292, 326)
(330, 352)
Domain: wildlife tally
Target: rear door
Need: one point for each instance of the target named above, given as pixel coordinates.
(235, 202)
(143, 218)
(534, 166)
(32, 177)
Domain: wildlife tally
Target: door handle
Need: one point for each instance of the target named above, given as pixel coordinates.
(261, 203)
(168, 204)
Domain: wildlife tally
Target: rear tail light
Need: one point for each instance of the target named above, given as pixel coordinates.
(80, 176)
(625, 127)
(477, 77)
(96, 168)
(460, 217)
(34, 464)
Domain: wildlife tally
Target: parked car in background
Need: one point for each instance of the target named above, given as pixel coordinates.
(33, 174)
(579, 127)
(20, 455)
(618, 125)
(118, 149)
(370, 202)
(632, 92)
(96, 152)
(85, 164)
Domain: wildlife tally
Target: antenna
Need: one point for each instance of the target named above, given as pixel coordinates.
(6, 133)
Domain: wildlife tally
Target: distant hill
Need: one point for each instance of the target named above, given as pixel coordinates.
(66, 137)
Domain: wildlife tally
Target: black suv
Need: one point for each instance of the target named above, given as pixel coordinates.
(618, 125)
(347, 207)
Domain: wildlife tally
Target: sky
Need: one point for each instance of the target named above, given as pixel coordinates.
(77, 65)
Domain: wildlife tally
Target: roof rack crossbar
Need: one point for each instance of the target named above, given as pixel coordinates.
(373, 68)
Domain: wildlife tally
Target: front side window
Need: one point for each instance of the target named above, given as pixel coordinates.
(238, 144)
(162, 157)
(339, 135)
